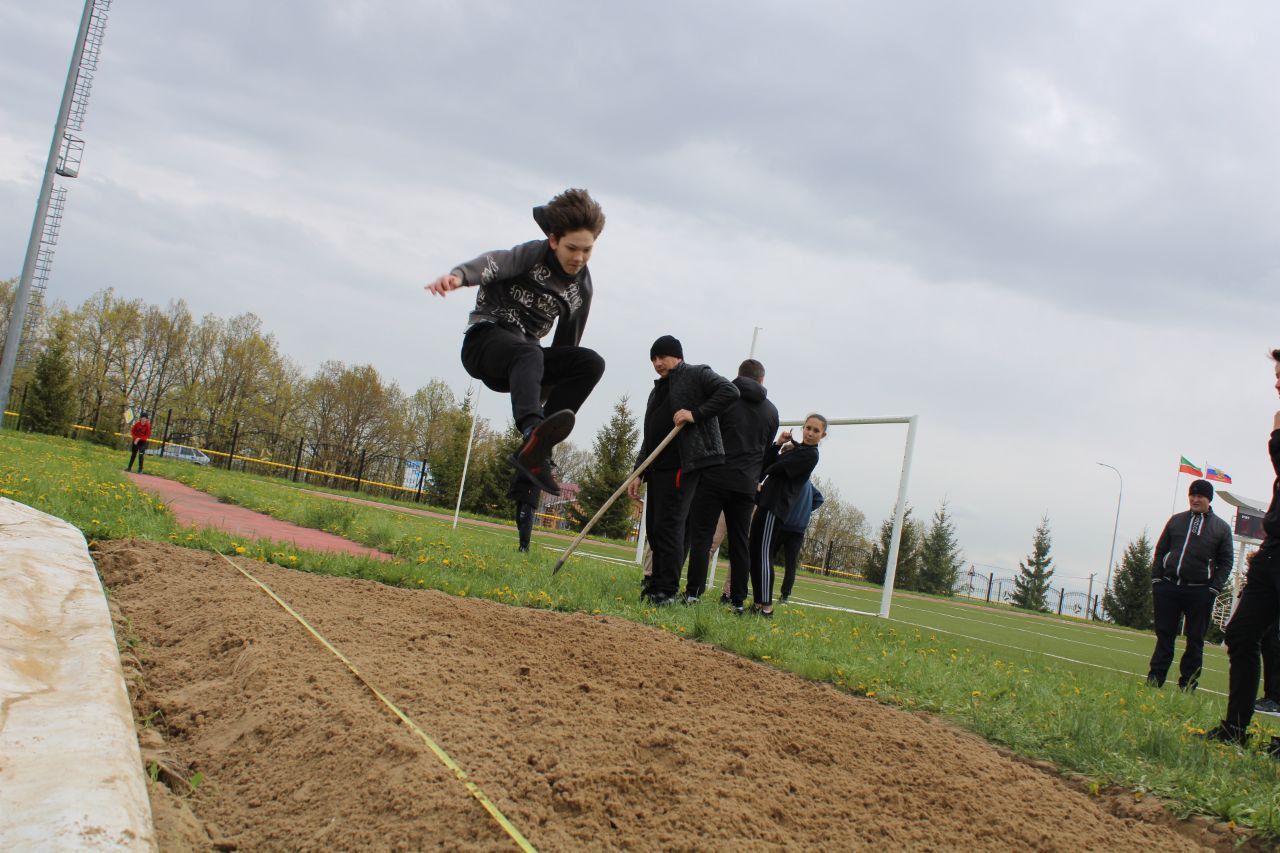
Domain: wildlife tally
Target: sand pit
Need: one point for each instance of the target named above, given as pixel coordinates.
(587, 732)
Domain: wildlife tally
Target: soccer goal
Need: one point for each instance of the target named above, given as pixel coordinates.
(898, 515)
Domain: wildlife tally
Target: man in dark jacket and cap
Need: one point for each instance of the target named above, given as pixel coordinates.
(747, 429)
(523, 292)
(1192, 565)
(692, 395)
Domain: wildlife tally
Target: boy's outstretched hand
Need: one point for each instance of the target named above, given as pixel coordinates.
(443, 285)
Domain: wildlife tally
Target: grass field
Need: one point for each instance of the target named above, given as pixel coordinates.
(1045, 687)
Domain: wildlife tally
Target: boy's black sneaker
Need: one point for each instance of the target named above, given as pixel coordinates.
(725, 599)
(1267, 706)
(1274, 749)
(1225, 733)
(534, 457)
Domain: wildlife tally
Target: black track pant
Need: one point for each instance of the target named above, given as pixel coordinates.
(137, 450)
(1255, 615)
(510, 362)
(791, 541)
(666, 514)
(711, 500)
(1271, 664)
(764, 531)
(1192, 606)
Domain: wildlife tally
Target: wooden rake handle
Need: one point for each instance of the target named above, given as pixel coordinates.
(586, 528)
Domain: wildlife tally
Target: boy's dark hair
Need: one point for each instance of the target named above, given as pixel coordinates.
(751, 369)
(1275, 353)
(572, 210)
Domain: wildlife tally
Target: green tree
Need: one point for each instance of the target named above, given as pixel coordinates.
(613, 455)
(907, 575)
(940, 556)
(1031, 586)
(490, 477)
(1128, 602)
(51, 400)
(450, 452)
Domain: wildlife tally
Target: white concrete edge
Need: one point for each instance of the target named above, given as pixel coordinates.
(71, 774)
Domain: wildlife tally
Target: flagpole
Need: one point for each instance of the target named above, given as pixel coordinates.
(1177, 478)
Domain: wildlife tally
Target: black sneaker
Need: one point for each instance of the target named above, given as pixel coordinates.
(690, 599)
(725, 599)
(1274, 749)
(1226, 733)
(1267, 706)
(660, 600)
(534, 458)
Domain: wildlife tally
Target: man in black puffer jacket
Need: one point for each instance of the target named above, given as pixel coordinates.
(747, 427)
(1192, 564)
(693, 395)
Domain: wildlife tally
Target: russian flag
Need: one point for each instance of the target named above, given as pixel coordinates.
(1217, 475)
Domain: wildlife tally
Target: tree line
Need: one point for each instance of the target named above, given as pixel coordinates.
(222, 383)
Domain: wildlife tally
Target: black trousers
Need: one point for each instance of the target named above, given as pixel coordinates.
(1271, 664)
(666, 514)
(1193, 607)
(791, 541)
(1255, 615)
(710, 500)
(509, 362)
(137, 450)
(524, 523)
(764, 530)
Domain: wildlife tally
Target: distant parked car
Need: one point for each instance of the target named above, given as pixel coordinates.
(180, 451)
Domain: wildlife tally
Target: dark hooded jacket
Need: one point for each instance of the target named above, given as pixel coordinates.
(785, 475)
(707, 395)
(747, 428)
(525, 289)
(1194, 550)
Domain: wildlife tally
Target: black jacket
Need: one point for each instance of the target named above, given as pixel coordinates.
(785, 475)
(706, 394)
(1271, 523)
(1194, 550)
(747, 428)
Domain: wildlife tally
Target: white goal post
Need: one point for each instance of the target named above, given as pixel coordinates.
(899, 512)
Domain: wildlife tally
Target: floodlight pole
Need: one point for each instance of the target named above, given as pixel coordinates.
(18, 316)
(755, 333)
(1106, 587)
(899, 513)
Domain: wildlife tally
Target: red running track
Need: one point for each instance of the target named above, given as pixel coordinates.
(193, 507)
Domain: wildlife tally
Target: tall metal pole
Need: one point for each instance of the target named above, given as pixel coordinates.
(755, 332)
(1107, 586)
(13, 338)
(466, 462)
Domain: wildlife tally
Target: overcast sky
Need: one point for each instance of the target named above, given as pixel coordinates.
(1048, 229)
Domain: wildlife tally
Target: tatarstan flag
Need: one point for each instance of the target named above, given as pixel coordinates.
(1186, 466)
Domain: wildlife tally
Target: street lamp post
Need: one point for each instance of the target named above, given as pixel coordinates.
(1107, 586)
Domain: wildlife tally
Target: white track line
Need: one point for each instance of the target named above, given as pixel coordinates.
(994, 643)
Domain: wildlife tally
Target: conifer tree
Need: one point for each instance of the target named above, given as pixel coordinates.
(908, 573)
(613, 455)
(1031, 586)
(1128, 602)
(50, 402)
(940, 557)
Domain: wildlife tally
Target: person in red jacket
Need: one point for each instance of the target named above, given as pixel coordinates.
(139, 434)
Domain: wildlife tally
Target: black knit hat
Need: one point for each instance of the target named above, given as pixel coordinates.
(666, 345)
(1201, 487)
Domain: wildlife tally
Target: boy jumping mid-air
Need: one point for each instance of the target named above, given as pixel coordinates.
(523, 292)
